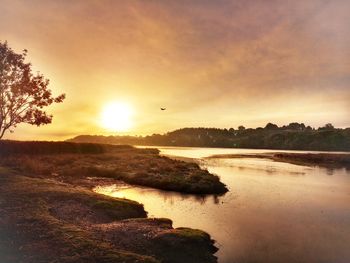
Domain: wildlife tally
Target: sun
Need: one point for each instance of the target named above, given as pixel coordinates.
(117, 116)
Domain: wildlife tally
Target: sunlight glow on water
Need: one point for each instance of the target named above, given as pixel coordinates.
(274, 212)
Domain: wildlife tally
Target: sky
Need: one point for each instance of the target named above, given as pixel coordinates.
(209, 63)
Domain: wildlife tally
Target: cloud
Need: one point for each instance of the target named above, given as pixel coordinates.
(200, 58)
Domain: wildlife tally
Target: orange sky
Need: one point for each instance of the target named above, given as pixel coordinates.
(210, 63)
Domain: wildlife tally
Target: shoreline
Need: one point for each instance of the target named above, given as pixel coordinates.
(236, 148)
(50, 212)
(326, 160)
(44, 220)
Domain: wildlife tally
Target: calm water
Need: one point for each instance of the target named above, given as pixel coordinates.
(274, 212)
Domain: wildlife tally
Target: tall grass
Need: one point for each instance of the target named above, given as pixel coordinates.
(8, 147)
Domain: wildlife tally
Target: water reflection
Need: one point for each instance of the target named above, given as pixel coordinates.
(330, 171)
(274, 212)
(167, 197)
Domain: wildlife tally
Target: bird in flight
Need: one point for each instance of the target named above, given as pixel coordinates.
(162, 108)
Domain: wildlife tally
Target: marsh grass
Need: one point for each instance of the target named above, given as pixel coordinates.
(31, 232)
(44, 220)
(132, 165)
(321, 159)
(327, 160)
(48, 214)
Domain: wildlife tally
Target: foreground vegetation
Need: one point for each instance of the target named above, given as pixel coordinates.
(48, 212)
(319, 159)
(44, 220)
(73, 162)
(294, 136)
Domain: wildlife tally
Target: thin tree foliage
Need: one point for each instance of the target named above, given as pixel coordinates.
(23, 95)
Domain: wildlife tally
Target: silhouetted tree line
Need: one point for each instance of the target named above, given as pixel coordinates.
(294, 136)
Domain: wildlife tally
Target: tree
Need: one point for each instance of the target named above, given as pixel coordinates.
(241, 128)
(296, 126)
(23, 95)
(271, 126)
(328, 127)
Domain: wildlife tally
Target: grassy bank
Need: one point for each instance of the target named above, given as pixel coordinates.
(43, 220)
(319, 159)
(8, 147)
(70, 162)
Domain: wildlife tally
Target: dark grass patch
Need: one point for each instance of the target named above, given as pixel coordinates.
(8, 147)
(157, 236)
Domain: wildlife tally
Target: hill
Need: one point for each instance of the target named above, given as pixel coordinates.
(294, 136)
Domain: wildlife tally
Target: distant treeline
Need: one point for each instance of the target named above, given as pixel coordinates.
(295, 136)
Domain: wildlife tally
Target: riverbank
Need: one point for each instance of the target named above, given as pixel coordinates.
(43, 220)
(49, 212)
(310, 159)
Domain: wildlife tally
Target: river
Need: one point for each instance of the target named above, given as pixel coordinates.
(273, 212)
